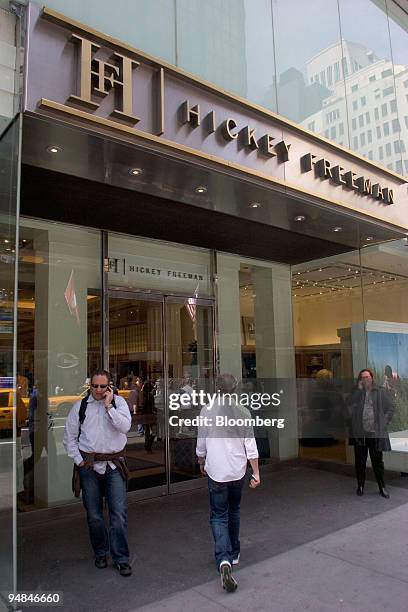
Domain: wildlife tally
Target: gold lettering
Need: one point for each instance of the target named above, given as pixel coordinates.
(323, 168)
(228, 125)
(211, 122)
(98, 77)
(160, 102)
(377, 192)
(337, 175)
(307, 162)
(125, 86)
(191, 115)
(283, 151)
(388, 195)
(86, 50)
(349, 178)
(267, 145)
(363, 185)
(249, 138)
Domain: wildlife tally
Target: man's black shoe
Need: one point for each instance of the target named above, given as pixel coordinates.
(124, 569)
(101, 562)
(360, 491)
(384, 493)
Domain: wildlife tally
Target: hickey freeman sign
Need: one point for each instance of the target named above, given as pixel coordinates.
(110, 85)
(349, 178)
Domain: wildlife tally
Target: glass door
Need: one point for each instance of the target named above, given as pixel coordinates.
(136, 365)
(160, 350)
(189, 333)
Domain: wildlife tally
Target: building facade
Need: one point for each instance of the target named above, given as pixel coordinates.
(189, 188)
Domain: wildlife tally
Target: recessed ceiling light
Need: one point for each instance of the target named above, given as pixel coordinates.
(337, 228)
(299, 218)
(201, 189)
(255, 205)
(369, 238)
(54, 149)
(6, 241)
(135, 171)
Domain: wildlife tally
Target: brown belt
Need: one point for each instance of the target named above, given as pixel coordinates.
(118, 459)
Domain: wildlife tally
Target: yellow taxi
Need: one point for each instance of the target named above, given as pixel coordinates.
(6, 409)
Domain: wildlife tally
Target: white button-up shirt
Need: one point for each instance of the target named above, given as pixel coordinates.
(101, 432)
(226, 457)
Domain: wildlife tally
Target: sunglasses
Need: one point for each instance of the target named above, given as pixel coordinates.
(101, 386)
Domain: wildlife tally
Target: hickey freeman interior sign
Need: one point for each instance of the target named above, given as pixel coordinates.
(90, 78)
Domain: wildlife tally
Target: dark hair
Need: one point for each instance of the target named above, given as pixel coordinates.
(365, 370)
(388, 371)
(101, 372)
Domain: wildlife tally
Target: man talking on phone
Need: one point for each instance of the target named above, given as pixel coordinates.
(95, 438)
(223, 453)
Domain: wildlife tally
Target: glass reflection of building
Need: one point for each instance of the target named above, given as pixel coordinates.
(376, 98)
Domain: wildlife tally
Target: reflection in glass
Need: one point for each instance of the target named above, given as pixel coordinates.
(386, 326)
(59, 343)
(310, 66)
(328, 315)
(12, 408)
(398, 22)
(136, 365)
(370, 85)
(189, 332)
(230, 44)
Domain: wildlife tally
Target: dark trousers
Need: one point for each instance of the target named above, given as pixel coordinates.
(111, 485)
(225, 500)
(360, 454)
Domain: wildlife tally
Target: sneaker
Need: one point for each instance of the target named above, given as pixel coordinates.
(236, 560)
(124, 569)
(101, 562)
(228, 581)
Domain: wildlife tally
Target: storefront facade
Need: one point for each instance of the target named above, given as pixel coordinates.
(168, 228)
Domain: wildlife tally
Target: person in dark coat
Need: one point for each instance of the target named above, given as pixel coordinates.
(369, 411)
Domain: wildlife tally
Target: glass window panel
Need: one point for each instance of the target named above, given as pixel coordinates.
(327, 317)
(13, 410)
(58, 343)
(230, 44)
(369, 50)
(307, 42)
(385, 295)
(146, 25)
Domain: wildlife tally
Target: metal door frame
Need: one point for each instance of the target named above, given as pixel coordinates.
(164, 299)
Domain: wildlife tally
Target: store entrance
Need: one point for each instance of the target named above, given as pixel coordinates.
(160, 346)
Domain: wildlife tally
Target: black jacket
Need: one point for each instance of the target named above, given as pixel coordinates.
(383, 404)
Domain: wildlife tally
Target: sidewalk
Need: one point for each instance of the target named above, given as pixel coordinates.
(307, 541)
(363, 567)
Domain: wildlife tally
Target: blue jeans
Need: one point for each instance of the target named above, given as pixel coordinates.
(111, 485)
(225, 499)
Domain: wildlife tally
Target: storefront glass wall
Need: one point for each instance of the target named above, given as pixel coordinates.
(311, 62)
(8, 56)
(59, 342)
(255, 343)
(159, 330)
(13, 411)
(386, 329)
(349, 314)
(327, 306)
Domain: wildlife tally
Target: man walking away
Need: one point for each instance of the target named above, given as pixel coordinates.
(223, 453)
(95, 438)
